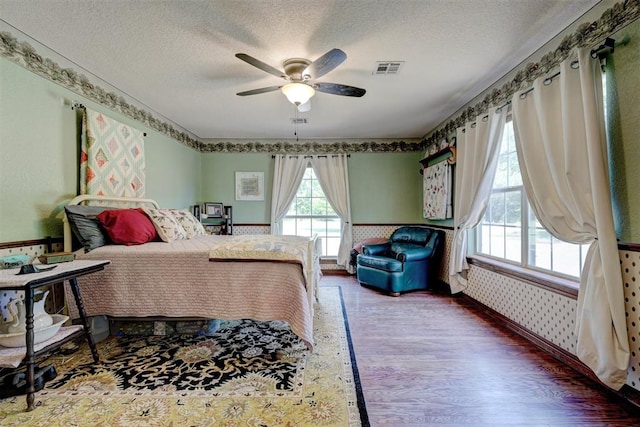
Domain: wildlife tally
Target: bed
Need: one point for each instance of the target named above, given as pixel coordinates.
(203, 276)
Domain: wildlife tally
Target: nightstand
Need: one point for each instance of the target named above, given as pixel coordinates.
(10, 280)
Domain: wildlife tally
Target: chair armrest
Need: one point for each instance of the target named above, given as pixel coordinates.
(413, 254)
(378, 249)
(435, 244)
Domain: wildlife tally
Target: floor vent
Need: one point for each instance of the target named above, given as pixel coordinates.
(387, 67)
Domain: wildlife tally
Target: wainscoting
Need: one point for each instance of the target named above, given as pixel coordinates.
(551, 315)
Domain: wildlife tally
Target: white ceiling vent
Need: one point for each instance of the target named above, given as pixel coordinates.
(387, 67)
(299, 121)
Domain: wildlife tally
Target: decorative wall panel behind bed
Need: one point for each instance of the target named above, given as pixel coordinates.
(259, 277)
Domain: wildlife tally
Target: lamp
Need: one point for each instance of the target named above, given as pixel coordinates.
(298, 93)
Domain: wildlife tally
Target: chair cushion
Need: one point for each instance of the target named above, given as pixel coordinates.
(381, 263)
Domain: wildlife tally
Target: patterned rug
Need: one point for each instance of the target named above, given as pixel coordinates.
(246, 374)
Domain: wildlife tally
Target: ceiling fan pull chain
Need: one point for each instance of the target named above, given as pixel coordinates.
(295, 123)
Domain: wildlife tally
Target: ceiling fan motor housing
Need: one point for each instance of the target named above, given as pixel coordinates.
(294, 67)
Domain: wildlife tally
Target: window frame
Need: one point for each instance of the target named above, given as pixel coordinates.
(523, 268)
(311, 217)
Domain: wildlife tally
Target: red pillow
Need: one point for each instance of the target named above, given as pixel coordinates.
(128, 226)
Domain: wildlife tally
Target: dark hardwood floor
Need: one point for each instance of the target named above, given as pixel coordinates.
(429, 359)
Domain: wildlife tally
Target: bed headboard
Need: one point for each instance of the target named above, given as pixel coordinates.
(87, 198)
(314, 253)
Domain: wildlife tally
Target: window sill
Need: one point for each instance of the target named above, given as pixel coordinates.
(555, 284)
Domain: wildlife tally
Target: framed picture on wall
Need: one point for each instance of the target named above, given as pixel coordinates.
(249, 185)
(214, 210)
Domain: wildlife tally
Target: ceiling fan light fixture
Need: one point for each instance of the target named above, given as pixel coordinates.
(298, 93)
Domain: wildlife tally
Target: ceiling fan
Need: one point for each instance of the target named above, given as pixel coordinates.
(300, 73)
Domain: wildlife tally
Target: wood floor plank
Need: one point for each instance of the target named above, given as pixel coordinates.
(429, 359)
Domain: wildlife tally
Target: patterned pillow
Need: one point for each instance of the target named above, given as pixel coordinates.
(191, 225)
(166, 225)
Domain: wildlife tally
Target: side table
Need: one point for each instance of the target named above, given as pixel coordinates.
(70, 271)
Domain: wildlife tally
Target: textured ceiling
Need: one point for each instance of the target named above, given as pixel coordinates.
(177, 57)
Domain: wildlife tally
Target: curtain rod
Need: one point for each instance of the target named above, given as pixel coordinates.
(609, 46)
(75, 105)
(523, 95)
(606, 48)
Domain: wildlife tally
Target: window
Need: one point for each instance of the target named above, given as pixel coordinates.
(310, 213)
(509, 229)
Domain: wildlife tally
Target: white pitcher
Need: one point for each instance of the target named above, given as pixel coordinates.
(18, 312)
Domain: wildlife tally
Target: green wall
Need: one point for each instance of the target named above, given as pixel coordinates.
(38, 157)
(623, 117)
(218, 184)
(384, 188)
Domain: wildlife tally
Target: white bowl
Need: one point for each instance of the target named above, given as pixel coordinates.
(39, 335)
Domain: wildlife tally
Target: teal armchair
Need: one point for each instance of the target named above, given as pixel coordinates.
(409, 261)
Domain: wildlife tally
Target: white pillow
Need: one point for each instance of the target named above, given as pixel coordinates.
(168, 228)
(191, 225)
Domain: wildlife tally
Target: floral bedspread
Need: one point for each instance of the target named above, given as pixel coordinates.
(261, 247)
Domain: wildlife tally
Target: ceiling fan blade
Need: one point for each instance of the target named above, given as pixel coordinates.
(257, 91)
(325, 63)
(261, 65)
(338, 89)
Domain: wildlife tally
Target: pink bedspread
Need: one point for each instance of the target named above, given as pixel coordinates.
(178, 280)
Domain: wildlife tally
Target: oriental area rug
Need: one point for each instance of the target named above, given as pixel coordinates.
(246, 374)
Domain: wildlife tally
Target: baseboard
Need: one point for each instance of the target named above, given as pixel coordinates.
(627, 393)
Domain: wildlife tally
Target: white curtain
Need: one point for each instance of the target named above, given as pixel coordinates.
(477, 159)
(333, 174)
(287, 176)
(561, 145)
